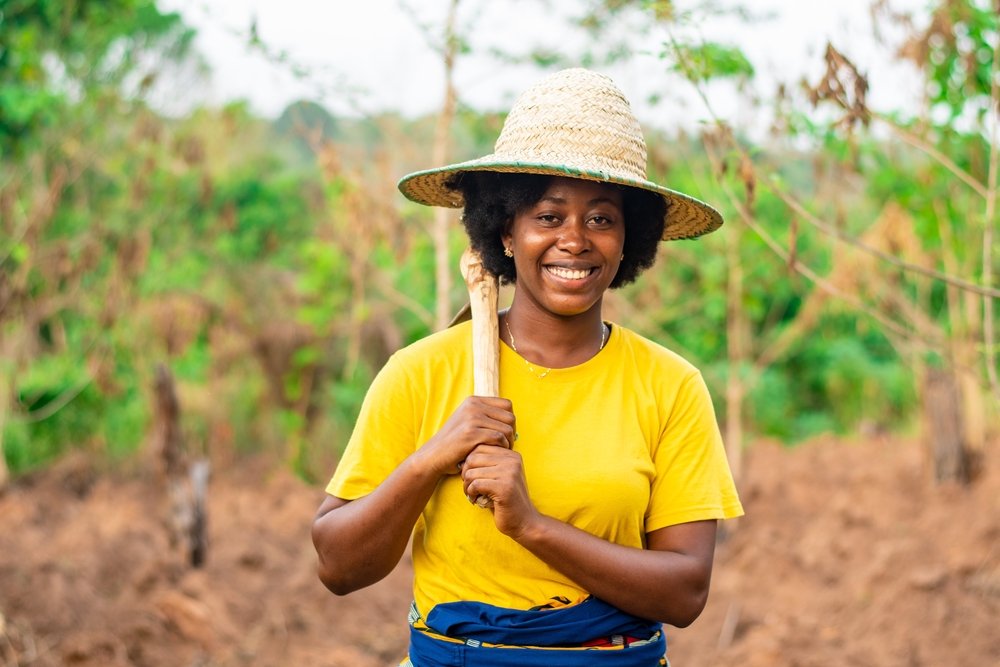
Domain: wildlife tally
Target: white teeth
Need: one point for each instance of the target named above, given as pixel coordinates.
(569, 274)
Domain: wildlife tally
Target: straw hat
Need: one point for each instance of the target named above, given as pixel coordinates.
(572, 123)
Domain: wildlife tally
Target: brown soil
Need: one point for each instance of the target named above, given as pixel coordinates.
(848, 555)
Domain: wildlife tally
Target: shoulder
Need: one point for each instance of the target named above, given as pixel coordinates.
(440, 353)
(413, 372)
(649, 354)
(450, 341)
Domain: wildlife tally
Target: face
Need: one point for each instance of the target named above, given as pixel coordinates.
(567, 246)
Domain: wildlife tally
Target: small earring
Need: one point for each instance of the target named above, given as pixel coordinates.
(507, 251)
(622, 257)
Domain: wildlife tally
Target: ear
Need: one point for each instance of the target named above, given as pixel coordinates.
(508, 232)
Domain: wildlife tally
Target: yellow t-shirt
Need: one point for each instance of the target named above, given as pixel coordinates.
(621, 445)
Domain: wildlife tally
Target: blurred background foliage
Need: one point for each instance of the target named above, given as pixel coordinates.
(273, 267)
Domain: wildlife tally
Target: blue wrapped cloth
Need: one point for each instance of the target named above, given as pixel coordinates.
(460, 634)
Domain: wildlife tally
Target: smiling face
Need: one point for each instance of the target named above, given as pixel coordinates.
(567, 247)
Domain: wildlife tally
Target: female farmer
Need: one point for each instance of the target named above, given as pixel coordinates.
(602, 458)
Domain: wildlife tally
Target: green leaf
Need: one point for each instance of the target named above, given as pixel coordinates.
(707, 61)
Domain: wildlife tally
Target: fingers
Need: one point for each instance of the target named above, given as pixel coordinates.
(479, 496)
(496, 401)
(494, 478)
(484, 490)
(479, 420)
(493, 421)
(495, 408)
(489, 470)
(497, 435)
(489, 435)
(489, 455)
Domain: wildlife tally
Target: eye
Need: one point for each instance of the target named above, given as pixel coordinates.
(601, 221)
(548, 219)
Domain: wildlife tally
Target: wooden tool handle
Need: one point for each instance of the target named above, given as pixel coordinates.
(483, 295)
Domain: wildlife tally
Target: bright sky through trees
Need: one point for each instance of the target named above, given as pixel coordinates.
(376, 49)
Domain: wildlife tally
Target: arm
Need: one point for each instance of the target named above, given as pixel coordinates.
(359, 542)
(668, 581)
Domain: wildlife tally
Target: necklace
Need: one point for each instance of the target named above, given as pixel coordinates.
(546, 371)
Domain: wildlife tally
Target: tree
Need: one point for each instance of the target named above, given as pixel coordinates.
(448, 46)
(56, 50)
(65, 70)
(912, 250)
(944, 174)
(906, 277)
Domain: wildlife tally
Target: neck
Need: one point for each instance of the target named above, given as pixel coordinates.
(553, 341)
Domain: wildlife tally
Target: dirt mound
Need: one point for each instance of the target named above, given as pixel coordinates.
(847, 555)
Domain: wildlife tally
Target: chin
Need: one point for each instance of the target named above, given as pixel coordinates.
(572, 309)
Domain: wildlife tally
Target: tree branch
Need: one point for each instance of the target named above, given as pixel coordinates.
(940, 157)
(818, 280)
(830, 230)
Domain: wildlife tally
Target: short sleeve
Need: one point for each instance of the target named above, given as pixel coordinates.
(383, 436)
(692, 478)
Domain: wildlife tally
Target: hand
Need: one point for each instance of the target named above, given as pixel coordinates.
(479, 420)
(498, 474)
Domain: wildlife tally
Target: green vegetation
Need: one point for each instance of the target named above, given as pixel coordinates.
(273, 268)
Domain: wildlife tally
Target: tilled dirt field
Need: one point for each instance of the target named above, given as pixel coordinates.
(847, 556)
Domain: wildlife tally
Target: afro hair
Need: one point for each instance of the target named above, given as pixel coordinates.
(493, 199)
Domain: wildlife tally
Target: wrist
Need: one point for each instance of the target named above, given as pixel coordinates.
(423, 467)
(532, 530)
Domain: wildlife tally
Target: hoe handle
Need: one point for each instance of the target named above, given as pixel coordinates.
(483, 295)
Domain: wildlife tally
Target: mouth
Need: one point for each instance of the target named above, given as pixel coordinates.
(570, 274)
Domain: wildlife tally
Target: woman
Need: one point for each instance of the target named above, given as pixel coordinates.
(602, 458)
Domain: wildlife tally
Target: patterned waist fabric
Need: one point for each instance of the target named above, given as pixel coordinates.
(460, 634)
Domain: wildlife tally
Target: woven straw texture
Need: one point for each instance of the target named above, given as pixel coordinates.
(572, 123)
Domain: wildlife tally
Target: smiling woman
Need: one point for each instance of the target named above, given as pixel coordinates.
(602, 457)
(486, 193)
(568, 247)
(565, 251)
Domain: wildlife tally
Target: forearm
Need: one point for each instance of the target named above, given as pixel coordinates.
(360, 542)
(662, 585)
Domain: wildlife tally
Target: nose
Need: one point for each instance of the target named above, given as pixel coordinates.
(573, 238)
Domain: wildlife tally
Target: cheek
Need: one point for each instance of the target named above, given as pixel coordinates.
(618, 253)
(618, 246)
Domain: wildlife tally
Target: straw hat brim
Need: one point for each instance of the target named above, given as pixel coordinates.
(686, 216)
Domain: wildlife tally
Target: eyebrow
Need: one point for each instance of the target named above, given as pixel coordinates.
(592, 202)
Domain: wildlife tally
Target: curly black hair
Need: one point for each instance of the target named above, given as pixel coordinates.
(492, 199)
